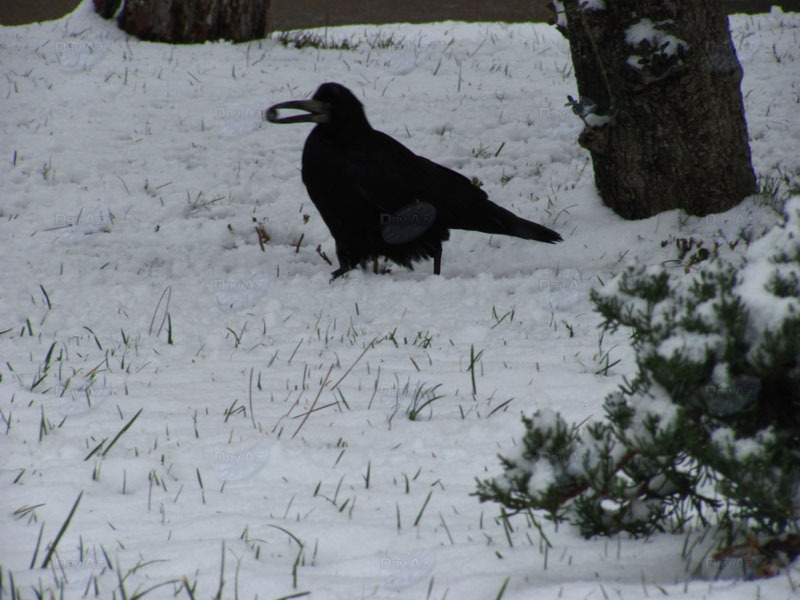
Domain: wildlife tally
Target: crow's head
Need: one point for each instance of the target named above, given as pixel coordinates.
(332, 104)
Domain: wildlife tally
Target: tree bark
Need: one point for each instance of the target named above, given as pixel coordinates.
(106, 8)
(661, 102)
(195, 21)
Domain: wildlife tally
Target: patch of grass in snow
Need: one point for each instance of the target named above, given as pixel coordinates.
(381, 40)
(775, 190)
(552, 200)
(481, 152)
(410, 399)
(314, 39)
(311, 39)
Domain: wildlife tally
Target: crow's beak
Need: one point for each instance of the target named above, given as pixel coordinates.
(318, 112)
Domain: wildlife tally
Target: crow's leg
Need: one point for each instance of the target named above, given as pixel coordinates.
(338, 273)
(345, 263)
(437, 262)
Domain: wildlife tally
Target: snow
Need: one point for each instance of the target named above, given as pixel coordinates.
(587, 5)
(742, 449)
(542, 477)
(747, 447)
(597, 120)
(689, 345)
(644, 30)
(273, 404)
(766, 309)
(561, 14)
(723, 437)
(593, 4)
(655, 402)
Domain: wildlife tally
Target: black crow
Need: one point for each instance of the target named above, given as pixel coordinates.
(380, 199)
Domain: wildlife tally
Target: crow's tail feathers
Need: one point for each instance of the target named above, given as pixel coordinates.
(491, 218)
(529, 230)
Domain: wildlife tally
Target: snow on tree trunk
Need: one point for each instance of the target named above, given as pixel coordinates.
(193, 21)
(659, 85)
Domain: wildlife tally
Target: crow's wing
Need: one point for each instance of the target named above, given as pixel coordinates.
(389, 176)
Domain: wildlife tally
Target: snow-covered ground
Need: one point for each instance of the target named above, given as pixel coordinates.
(265, 407)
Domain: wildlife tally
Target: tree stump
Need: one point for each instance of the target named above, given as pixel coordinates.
(195, 21)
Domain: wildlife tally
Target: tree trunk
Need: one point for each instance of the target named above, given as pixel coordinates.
(106, 8)
(659, 81)
(195, 21)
